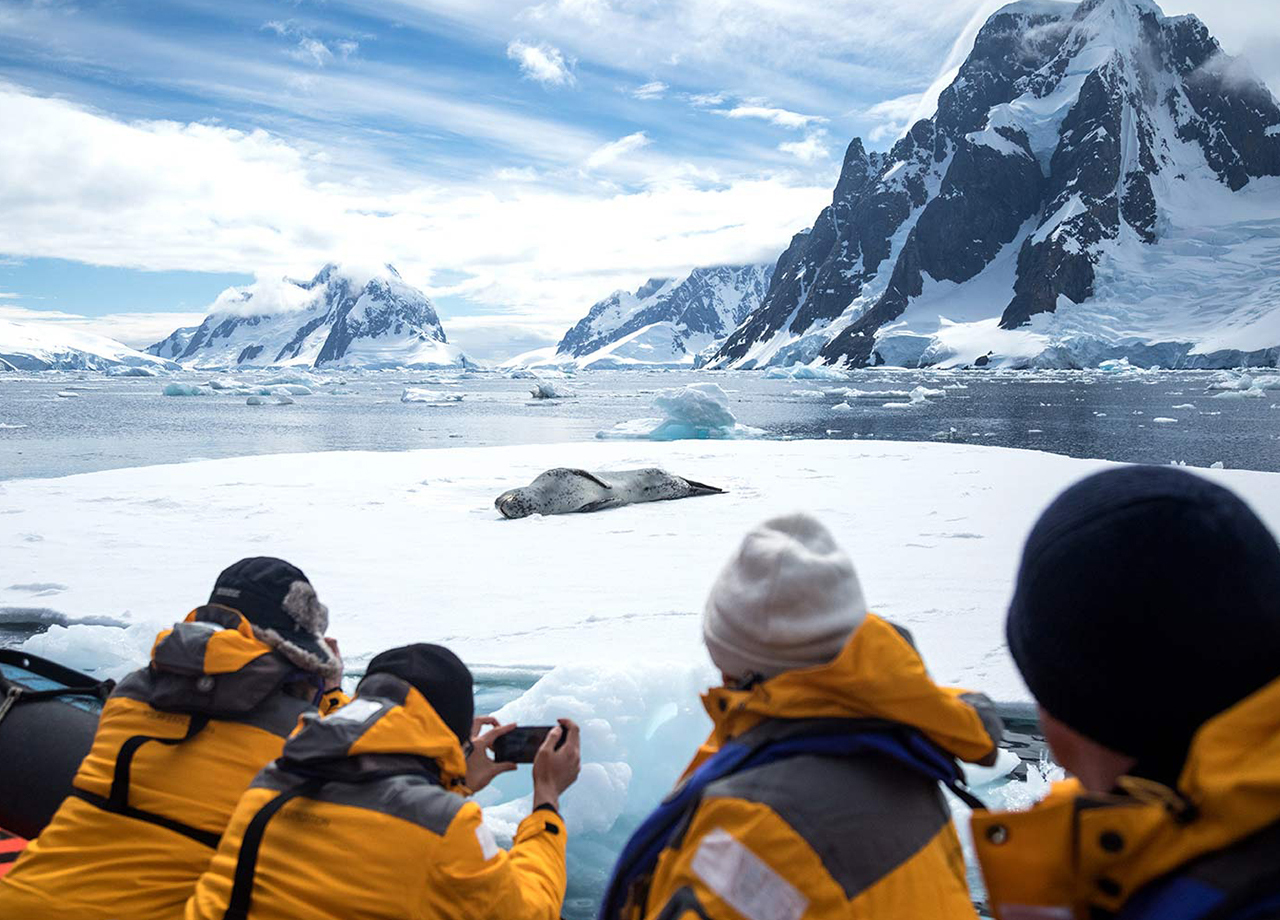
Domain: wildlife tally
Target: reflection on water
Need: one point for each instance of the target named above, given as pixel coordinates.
(126, 422)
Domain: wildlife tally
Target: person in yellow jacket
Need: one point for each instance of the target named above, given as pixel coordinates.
(365, 813)
(817, 794)
(1146, 622)
(176, 745)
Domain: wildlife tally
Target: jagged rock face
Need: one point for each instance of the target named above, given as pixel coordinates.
(667, 321)
(332, 319)
(1065, 134)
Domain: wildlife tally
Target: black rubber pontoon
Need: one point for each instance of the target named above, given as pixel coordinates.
(48, 715)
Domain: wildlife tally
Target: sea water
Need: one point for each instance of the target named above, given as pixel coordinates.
(1147, 417)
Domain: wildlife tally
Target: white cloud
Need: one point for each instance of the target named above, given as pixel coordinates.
(137, 330)
(164, 195)
(893, 117)
(541, 63)
(618, 149)
(495, 338)
(706, 100)
(781, 117)
(810, 150)
(655, 89)
(311, 51)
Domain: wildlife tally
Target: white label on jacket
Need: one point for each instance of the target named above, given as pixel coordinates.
(744, 881)
(488, 846)
(356, 711)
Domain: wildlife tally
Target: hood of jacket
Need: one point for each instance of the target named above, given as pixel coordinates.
(211, 662)
(1083, 854)
(388, 719)
(877, 675)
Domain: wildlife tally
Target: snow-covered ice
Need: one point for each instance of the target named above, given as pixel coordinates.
(407, 546)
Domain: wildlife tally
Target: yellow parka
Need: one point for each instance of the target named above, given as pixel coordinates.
(365, 816)
(1077, 855)
(176, 745)
(809, 837)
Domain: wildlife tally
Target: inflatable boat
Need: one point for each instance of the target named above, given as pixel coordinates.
(48, 714)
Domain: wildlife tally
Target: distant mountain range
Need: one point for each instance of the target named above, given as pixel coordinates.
(336, 319)
(1099, 181)
(45, 346)
(667, 322)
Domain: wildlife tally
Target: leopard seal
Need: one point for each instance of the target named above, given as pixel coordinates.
(570, 491)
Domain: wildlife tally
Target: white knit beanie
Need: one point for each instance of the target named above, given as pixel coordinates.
(788, 599)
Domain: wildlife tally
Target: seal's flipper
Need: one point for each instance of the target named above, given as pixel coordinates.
(593, 477)
(601, 504)
(701, 488)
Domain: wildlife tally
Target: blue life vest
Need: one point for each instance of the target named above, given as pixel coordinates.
(1241, 882)
(906, 746)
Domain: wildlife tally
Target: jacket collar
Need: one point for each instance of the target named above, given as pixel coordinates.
(211, 640)
(389, 717)
(877, 675)
(1085, 855)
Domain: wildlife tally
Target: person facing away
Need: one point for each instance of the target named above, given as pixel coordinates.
(176, 744)
(365, 814)
(1146, 623)
(818, 792)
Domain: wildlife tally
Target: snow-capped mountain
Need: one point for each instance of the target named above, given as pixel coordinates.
(1099, 180)
(667, 322)
(47, 346)
(337, 319)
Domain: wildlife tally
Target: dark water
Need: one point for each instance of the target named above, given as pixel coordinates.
(116, 423)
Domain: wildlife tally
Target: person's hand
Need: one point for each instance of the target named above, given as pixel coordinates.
(481, 768)
(555, 771)
(333, 647)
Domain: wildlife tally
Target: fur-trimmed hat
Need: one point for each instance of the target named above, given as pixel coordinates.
(278, 601)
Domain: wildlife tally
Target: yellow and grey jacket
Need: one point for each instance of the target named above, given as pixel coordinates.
(364, 815)
(176, 745)
(823, 837)
(1210, 848)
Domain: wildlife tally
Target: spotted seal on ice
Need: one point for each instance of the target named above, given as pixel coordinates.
(566, 491)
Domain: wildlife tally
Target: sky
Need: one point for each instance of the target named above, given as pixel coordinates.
(516, 160)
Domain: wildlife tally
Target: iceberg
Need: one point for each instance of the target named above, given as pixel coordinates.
(183, 389)
(429, 397)
(805, 372)
(699, 411)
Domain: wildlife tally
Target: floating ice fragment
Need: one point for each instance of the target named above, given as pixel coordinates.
(183, 389)
(545, 390)
(122, 371)
(431, 397)
(1165, 421)
(805, 372)
(699, 411)
(68, 394)
(255, 401)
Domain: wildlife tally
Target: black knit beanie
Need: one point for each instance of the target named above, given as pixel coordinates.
(1147, 601)
(439, 675)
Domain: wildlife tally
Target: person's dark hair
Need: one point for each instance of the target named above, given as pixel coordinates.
(1147, 602)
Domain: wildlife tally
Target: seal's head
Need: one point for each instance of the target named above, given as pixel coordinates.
(514, 503)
